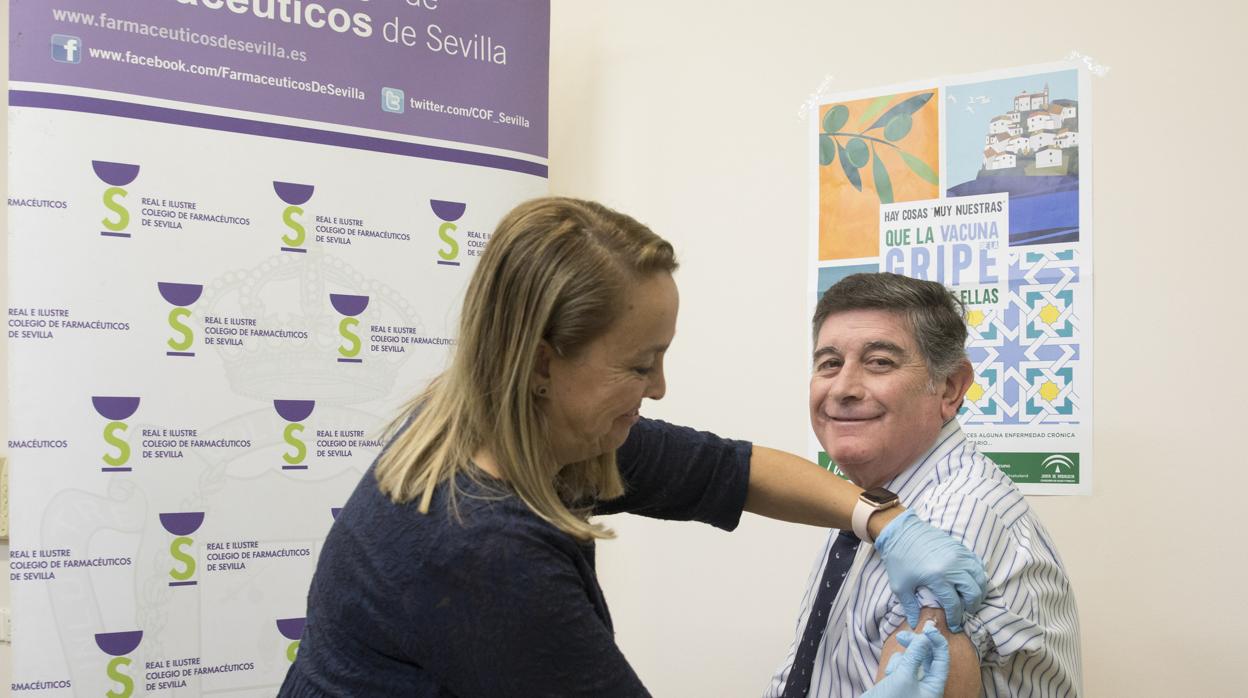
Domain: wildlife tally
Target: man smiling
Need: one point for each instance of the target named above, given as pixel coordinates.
(888, 377)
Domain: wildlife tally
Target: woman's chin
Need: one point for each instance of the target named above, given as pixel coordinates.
(608, 443)
(618, 435)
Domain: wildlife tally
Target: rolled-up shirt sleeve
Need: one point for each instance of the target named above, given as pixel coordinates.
(982, 519)
(678, 473)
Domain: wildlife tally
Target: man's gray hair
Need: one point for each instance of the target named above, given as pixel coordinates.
(934, 314)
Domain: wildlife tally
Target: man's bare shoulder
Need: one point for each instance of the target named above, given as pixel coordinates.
(964, 669)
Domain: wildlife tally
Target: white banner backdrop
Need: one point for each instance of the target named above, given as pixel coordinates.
(220, 291)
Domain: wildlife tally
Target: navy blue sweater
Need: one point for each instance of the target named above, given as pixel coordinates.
(498, 603)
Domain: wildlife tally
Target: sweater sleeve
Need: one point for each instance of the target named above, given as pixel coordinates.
(674, 472)
(518, 620)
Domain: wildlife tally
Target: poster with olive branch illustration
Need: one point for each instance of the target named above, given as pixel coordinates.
(983, 183)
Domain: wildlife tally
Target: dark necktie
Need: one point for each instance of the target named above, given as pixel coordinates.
(840, 558)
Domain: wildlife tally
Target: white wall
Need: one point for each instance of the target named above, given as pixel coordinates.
(683, 114)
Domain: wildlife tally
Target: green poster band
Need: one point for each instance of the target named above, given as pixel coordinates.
(1044, 468)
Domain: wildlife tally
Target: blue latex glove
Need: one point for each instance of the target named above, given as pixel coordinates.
(919, 672)
(917, 555)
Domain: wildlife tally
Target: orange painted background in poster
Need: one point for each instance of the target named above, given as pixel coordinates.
(849, 220)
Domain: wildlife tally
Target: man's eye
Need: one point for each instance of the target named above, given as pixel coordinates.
(829, 365)
(880, 362)
(643, 370)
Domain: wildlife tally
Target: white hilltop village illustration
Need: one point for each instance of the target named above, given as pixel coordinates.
(1038, 136)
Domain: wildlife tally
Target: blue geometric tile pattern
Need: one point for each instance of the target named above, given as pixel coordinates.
(1026, 351)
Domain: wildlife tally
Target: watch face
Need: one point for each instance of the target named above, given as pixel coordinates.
(878, 496)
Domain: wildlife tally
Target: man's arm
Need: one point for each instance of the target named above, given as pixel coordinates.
(964, 676)
(790, 488)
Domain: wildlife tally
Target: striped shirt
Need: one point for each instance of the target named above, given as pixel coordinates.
(1027, 632)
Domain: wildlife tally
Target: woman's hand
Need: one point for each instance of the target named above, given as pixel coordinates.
(919, 672)
(918, 555)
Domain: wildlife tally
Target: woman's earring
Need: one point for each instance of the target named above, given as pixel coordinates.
(542, 391)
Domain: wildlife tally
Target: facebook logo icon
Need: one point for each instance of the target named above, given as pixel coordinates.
(66, 49)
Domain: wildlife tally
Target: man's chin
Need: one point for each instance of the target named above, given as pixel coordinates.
(850, 463)
(850, 447)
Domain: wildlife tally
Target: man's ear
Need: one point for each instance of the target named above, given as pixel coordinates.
(954, 389)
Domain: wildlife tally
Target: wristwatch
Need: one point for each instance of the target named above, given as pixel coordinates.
(869, 502)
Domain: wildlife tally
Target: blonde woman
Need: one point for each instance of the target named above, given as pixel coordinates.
(463, 564)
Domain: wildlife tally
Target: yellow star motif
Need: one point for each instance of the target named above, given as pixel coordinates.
(975, 318)
(975, 393)
(1049, 314)
(1049, 390)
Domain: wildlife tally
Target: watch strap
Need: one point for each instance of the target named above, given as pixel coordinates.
(862, 513)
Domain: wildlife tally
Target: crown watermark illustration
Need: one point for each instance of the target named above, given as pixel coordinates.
(299, 349)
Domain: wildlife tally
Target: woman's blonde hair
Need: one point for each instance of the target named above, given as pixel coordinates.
(555, 270)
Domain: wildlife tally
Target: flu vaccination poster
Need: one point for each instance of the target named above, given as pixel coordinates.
(982, 183)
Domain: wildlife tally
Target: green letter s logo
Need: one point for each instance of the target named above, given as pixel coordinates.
(300, 449)
(177, 549)
(110, 202)
(288, 217)
(344, 328)
(175, 321)
(123, 448)
(114, 673)
(292, 650)
(444, 232)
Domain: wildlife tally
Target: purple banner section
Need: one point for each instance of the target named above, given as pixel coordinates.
(470, 71)
(93, 105)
